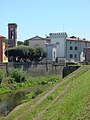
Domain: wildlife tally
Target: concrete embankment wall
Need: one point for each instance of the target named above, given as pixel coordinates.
(69, 69)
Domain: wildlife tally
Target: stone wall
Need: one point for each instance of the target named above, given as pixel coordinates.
(38, 69)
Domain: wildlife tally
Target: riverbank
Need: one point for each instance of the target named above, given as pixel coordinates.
(14, 94)
(67, 99)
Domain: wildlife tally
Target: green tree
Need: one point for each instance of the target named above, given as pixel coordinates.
(19, 43)
(11, 53)
(6, 41)
(39, 54)
(18, 75)
(25, 53)
(1, 75)
(26, 42)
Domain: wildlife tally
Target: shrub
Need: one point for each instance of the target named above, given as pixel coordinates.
(43, 83)
(50, 97)
(10, 79)
(18, 74)
(36, 93)
(1, 76)
(54, 79)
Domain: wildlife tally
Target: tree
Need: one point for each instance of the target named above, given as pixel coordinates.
(10, 53)
(26, 42)
(6, 41)
(19, 43)
(1, 76)
(39, 54)
(25, 53)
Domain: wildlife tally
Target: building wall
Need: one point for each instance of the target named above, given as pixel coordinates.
(40, 43)
(75, 50)
(37, 41)
(87, 57)
(49, 52)
(87, 54)
(58, 39)
(5, 59)
(1, 40)
(71, 49)
(2, 50)
(12, 34)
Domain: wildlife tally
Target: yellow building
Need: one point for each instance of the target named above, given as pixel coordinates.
(3, 58)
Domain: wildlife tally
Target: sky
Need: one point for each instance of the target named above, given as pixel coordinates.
(41, 17)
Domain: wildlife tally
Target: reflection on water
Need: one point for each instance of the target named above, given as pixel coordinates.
(10, 101)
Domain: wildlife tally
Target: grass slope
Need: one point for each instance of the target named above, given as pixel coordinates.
(71, 106)
(67, 100)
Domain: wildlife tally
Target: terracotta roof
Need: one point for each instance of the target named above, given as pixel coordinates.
(2, 36)
(87, 47)
(73, 38)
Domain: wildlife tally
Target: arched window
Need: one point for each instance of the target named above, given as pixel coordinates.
(37, 45)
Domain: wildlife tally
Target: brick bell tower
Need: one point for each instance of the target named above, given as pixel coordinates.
(12, 34)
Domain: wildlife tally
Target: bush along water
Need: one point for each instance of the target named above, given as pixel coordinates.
(18, 75)
(1, 75)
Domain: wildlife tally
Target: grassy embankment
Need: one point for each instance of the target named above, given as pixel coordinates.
(70, 100)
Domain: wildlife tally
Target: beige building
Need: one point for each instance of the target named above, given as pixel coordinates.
(39, 41)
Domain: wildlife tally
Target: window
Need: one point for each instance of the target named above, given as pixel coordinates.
(75, 48)
(70, 42)
(54, 54)
(37, 45)
(71, 47)
(75, 56)
(57, 43)
(71, 56)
